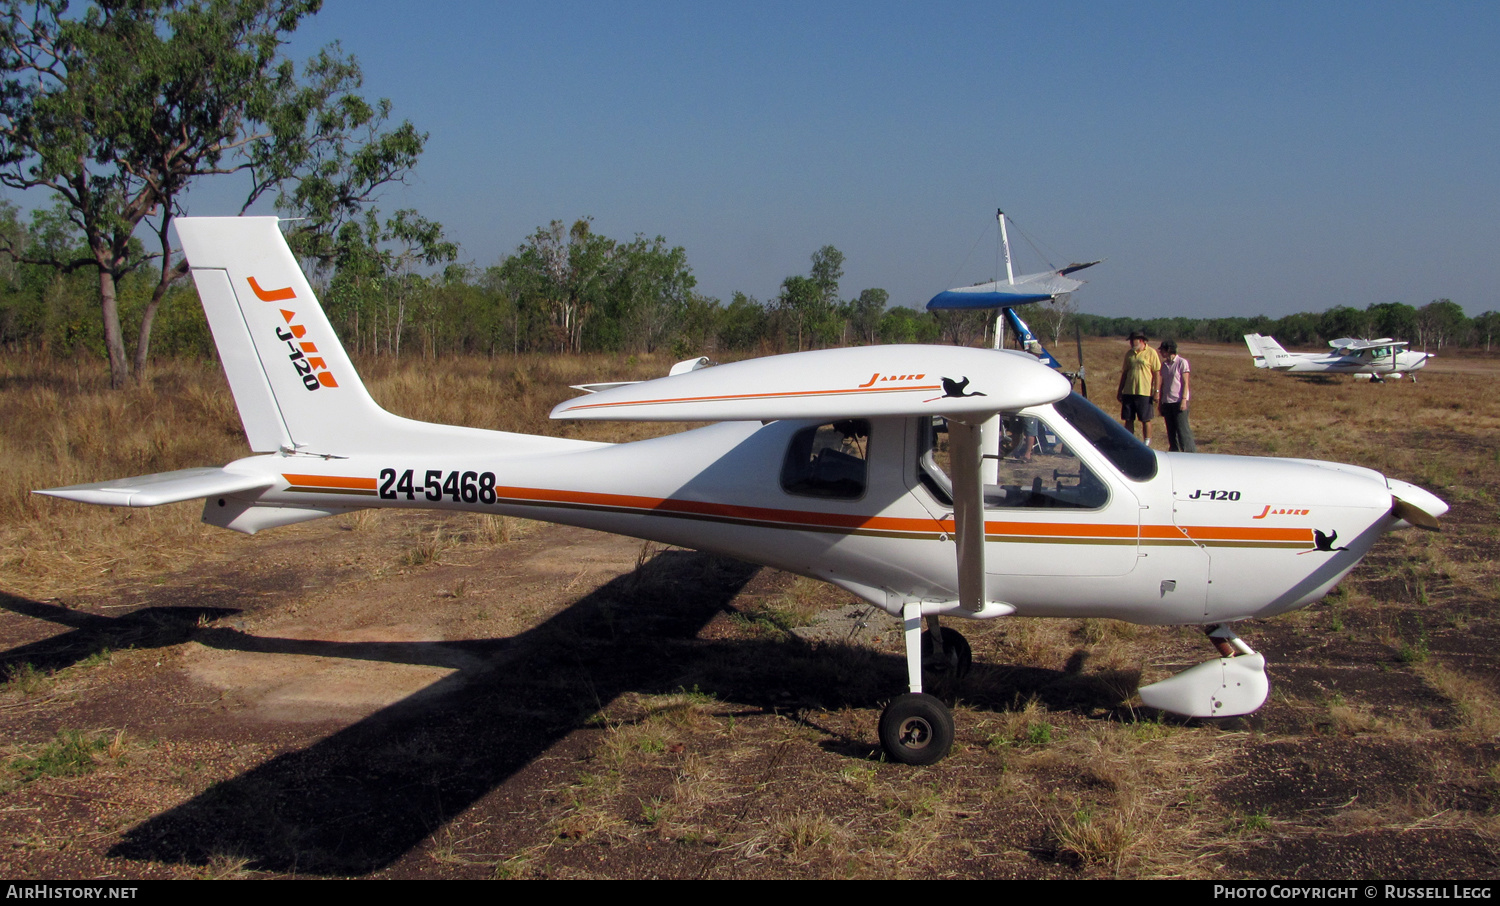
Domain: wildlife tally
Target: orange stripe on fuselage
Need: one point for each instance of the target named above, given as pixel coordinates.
(723, 510)
(1041, 532)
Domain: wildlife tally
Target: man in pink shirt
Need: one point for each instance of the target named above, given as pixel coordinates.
(1176, 391)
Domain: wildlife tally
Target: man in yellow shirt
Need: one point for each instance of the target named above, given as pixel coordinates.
(1140, 386)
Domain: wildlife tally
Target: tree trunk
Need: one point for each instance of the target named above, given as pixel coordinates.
(114, 342)
(143, 339)
(148, 317)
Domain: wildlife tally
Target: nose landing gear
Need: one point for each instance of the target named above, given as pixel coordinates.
(1230, 686)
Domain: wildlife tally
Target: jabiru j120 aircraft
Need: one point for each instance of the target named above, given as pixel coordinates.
(1368, 360)
(862, 467)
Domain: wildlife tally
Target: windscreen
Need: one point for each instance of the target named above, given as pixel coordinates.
(1134, 459)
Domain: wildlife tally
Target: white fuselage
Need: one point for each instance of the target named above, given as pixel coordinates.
(1206, 539)
(1332, 363)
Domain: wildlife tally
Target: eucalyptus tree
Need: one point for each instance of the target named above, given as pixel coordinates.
(651, 287)
(563, 273)
(865, 313)
(1442, 321)
(118, 111)
(1396, 320)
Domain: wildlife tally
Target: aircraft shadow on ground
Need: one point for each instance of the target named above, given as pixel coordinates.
(361, 798)
(91, 634)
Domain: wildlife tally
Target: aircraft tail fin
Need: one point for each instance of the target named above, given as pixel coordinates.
(1273, 352)
(295, 386)
(1268, 353)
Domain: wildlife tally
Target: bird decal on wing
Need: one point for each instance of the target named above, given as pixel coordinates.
(952, 388)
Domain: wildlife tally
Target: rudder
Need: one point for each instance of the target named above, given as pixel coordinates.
(1252, 341)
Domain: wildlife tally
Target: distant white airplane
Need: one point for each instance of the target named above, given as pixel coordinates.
(1372, 360)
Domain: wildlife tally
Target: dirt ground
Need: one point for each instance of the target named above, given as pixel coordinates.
(407, 695)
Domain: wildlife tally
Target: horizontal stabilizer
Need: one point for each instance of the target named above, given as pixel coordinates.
(162, 487)
(864, 381)
(249, 518)
(605, 385)
(682, 367)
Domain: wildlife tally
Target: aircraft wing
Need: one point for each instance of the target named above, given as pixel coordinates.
(864, 381)
(1349, 344)
(163, 487)
(1027, 288)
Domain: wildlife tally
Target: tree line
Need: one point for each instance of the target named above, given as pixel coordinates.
(396, 289)
(1437, 324)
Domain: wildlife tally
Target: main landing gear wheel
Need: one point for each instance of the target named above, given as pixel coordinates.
(916, 728)
(957, 657)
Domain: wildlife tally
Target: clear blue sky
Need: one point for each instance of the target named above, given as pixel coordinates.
(1226, 158)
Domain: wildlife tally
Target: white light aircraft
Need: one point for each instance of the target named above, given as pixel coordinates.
(1370, 360)
(861, 467)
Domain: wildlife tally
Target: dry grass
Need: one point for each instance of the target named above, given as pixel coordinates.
(1475, 700)
(1135, 804)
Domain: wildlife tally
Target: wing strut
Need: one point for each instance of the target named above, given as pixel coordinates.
(964, 442)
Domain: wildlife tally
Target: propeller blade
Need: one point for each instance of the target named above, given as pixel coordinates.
(1414, 515)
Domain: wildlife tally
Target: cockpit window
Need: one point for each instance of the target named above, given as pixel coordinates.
(1034, 468)
(829, 460)
(1133, 458)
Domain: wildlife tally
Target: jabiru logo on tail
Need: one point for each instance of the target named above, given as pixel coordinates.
(303, 353)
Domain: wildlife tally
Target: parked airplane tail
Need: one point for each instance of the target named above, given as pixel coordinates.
(1268, 353)
(295, 386)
